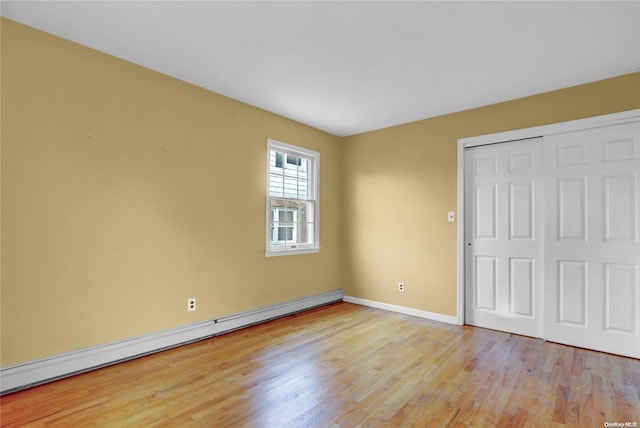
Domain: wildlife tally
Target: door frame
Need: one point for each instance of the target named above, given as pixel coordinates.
(504, 137)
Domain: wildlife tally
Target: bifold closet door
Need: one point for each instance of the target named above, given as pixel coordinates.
(503, 253)
(591, 247)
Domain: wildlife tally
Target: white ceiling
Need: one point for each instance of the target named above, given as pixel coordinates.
(350, 67)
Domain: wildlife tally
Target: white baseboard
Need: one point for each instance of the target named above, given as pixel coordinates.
(403, 310)
(36, 372)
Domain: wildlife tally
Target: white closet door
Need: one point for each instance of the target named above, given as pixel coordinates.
(503, 249)
(592, 251)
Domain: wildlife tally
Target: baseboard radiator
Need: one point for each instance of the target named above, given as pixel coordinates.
(25, 375)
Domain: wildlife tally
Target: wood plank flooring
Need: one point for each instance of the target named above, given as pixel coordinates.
(345, 366)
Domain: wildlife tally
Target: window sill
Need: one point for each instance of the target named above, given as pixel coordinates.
(291, 251)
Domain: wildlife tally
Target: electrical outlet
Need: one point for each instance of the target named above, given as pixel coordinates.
(401, 287)
(191, 304)
(451, 216)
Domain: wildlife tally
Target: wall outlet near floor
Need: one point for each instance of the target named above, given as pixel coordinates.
(401, 287)
(191, 304)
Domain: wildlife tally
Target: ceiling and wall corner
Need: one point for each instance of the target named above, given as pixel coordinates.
(351, 67)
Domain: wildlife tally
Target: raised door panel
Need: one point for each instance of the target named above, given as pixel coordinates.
(485, 204)
(521, 213)
(486, 283)
(572, 208)
(522, 286)
(572, 292)
(620, 208)
(621, 292)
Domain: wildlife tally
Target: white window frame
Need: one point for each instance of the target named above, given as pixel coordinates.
(314, 176)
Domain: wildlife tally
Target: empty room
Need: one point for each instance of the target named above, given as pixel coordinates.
(320, 213)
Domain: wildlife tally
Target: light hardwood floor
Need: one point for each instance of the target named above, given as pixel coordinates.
(345, 366)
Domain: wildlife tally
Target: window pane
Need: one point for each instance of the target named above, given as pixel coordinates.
(307, 233)
(284, 233)
(278, 233)
(284, 227)
(303, 166)
(282, 236)
(278, 203)
(304, 210)
(285, 216)
(304, 189)
(290, 187)
(276, 184)
(290, 178)
(291, 170)
(293, 160)
(275, 160)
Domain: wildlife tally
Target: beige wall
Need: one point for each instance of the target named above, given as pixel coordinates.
(399, 183)
(124, 192)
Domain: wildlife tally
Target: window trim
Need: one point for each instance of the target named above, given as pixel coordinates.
(271, 250)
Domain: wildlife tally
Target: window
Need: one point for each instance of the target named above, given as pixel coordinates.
(292, 199)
